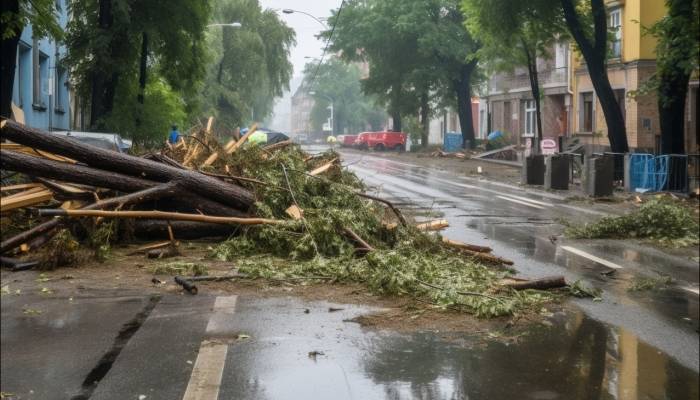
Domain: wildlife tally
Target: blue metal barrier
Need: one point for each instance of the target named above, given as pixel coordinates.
(452, 142)
(658, 173)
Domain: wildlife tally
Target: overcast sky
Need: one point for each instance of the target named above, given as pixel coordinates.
(307, 45)
(306, 28)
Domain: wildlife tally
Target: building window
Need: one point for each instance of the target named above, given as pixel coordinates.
(40, 73)
(615, 26)
(24, 73)
(530, 118)
(59, 92)
(587, 116)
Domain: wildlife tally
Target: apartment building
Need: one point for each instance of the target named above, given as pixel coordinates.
(40, 94)
(302, 104)
(510, 105)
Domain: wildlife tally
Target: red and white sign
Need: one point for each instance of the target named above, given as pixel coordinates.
(548, 146)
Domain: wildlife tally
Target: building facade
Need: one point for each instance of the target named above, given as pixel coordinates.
(302, 104)
(630, 64)
(448, 121)
(41, 96)
(510, 105)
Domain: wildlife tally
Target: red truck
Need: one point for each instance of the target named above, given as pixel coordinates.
(381, 141)
(347, 140)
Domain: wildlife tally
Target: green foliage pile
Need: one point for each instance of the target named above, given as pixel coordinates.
(660, 219)
(61, 251)
(180, 268)
(645, 283)
(404, 262)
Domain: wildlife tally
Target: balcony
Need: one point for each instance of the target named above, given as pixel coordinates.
(520, 82)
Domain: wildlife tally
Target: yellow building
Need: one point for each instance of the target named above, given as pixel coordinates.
(631, 63)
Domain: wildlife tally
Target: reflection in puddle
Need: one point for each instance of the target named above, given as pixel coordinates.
(578, 358)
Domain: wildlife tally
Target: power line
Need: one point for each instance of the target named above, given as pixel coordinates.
(328, 41)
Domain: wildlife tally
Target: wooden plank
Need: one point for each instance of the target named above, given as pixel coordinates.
(435, 225)
(25, 192)
(19, 186)
(7, 204)
(17, 113)
(295, 212)
(323, 168)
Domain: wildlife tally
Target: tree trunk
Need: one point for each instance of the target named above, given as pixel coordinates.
(156, 229)
(396, 119)
(142, 67)
(424, 119)
(8, 57)
(104, 82)
(187, 199)
(595, 54)
(674, 78)
(531, 57)
(108, 160)
(462, 86)
(164, 215)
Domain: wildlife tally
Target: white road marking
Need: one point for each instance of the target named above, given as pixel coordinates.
(531, 200)
(520, 202)
(591, 257)
(205, 380)
(691, 289)
(207, 372)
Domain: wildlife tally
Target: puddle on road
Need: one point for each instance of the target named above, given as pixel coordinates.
(573, 357)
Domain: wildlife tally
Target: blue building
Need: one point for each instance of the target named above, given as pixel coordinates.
(41, 80)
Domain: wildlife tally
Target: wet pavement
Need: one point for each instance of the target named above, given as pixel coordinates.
(135, 345)
(286, 348)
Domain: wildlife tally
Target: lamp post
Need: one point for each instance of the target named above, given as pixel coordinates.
(331, 121)
(290, 11)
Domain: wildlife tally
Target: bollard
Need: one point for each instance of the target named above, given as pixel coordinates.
(556, 172)
(533, 170)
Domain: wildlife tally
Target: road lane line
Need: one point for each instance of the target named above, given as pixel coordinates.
(521, 202)
(530, 200)
(591, 257)
(205, 379)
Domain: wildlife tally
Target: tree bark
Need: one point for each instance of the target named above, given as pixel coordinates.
(186, 199)
(462, 87)
(674, 78)
(108, 160)
(424, 119)
(8, 57)
(151, 229)
(595, 54)
(531, 57)
(142, 68)
(396, 119)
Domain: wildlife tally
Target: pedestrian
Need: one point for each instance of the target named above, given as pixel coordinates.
(174, 136)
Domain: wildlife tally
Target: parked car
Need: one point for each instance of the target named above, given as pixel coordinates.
(347, 140)
(381, 141)
(109, 141)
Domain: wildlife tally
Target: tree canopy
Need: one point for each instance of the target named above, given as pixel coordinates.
(250, 64)
(353, 111)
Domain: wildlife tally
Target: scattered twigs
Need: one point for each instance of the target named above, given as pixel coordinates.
(365, 247)
(463, 293)
(303, 220)
(278, 145)
(161, 215)
(485, 257)
(389, 204)
(149, 247)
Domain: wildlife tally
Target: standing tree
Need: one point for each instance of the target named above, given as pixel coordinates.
(353, 111)
(14, 16)
(114, 43)
(515, 34)
(590, 31)
(676, 60)
(252, 62)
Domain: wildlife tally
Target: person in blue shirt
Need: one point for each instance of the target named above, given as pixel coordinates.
(174, 135)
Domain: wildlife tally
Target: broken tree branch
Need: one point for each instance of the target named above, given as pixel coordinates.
(162, 215)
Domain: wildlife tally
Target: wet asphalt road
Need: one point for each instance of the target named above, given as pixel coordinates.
(127, 345)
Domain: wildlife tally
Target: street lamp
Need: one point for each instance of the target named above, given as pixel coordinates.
(313, 93)
(232, 25)
(290, 11)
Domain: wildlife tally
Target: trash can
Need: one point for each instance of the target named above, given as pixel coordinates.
(600, 172)
(556, 172)
(533, 170)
